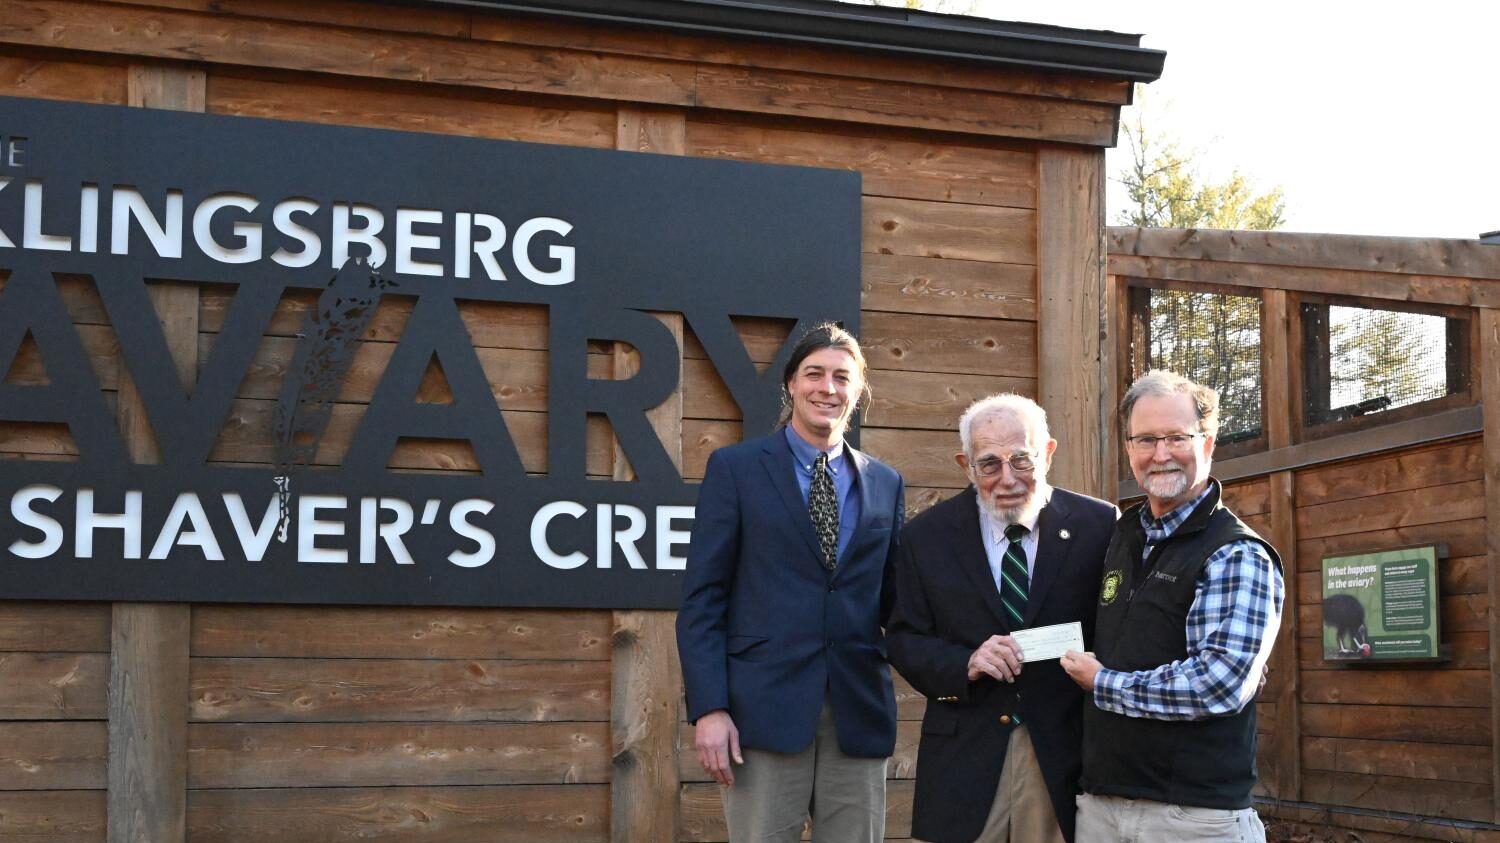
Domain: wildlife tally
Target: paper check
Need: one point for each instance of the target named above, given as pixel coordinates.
(1049, 642)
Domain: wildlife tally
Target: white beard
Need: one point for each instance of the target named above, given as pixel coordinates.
(1169, 485)
(1023, 514)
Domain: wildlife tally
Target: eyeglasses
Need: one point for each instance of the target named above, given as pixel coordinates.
(1020, 462)
(1177, 443)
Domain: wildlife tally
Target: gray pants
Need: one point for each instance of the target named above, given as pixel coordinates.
(1112, 819)
(774, 794)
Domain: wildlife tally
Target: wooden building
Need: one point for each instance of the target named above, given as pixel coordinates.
(1395, 752)
(983, 268)
(980, 147)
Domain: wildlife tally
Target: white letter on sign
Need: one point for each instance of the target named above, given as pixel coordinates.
(52, 532)
(539, 544)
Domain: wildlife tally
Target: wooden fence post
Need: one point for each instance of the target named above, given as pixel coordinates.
(148, 675)
(1277, 362)
(1488, 323)
(1070, 298)
(646, 684)
(1114, 354)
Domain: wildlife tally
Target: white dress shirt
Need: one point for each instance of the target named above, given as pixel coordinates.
(995, 542)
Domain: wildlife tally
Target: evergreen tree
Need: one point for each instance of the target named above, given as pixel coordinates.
(1165, 191)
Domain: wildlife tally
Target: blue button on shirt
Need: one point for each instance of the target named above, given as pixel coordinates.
(844, 478)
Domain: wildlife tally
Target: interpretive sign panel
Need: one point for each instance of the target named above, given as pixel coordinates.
(1381, 606)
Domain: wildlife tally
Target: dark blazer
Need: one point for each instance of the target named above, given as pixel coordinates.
(947, 605)
(764, 629)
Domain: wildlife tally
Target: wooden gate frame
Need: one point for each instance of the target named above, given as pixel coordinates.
(1274, 265)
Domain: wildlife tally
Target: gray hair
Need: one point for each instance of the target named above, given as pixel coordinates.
(1031, 414)
(1162, 383)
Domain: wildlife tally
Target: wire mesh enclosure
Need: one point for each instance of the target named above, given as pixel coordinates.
(1360, 361)
(1212, 338)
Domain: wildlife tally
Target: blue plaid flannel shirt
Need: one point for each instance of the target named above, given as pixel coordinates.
(1231, 627)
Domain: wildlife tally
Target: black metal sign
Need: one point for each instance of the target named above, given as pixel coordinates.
(600, 238)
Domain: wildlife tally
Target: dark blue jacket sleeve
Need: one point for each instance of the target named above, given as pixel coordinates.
(702, 619)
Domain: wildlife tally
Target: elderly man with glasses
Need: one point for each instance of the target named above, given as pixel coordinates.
(1001, 740)
(1188, 610)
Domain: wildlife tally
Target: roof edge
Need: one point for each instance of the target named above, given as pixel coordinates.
(878, 29)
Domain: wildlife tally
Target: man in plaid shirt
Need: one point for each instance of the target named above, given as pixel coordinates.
(1188, 610)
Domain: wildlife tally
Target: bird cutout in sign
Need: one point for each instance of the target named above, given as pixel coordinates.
(325, 349)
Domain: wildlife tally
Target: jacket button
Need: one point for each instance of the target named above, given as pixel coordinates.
(1005, 719)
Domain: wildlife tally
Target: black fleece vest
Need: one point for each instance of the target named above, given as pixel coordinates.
(1142, 621)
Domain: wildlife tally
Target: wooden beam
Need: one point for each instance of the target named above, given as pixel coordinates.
(646, 678)
(1114, 353)
(1276, 381)
(1276, 368)
(1488, 324)
(1070, 295)
(902, 103)
(1410, 290)
(1389, 255)
(837, 90)
(813, 58)
(162, 34)
(148, 676)
(662, 131)
(148, 707)
(169, 87)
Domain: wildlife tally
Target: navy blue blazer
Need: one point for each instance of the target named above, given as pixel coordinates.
(765, 630)
(947, 605)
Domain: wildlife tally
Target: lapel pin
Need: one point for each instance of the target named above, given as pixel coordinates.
(1064, 535)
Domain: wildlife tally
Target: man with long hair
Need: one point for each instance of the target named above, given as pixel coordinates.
(789, 582)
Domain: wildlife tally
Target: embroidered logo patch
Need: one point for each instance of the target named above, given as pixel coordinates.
(1111, 587)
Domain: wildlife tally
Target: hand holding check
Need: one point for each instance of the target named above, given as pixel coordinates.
(1082, 667)
(998, 657)
(1001, 656)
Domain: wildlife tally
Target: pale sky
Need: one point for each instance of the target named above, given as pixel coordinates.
(1375, 118)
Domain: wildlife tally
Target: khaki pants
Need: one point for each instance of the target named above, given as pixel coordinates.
(1112, 819)
(1022, 810)
(774, 794)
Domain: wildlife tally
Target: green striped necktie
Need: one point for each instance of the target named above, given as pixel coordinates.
(1015, 581)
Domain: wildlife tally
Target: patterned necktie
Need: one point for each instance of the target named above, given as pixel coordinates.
(823, 506)
(1016, 582)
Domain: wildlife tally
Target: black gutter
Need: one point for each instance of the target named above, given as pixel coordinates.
(1109, 55)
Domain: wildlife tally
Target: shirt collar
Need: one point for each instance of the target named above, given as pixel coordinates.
(806, 454)
(1158, 529)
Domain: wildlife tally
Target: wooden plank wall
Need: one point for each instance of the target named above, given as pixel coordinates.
(328, 724)
(949, 273)
(1415, 740)
(1395, 753)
